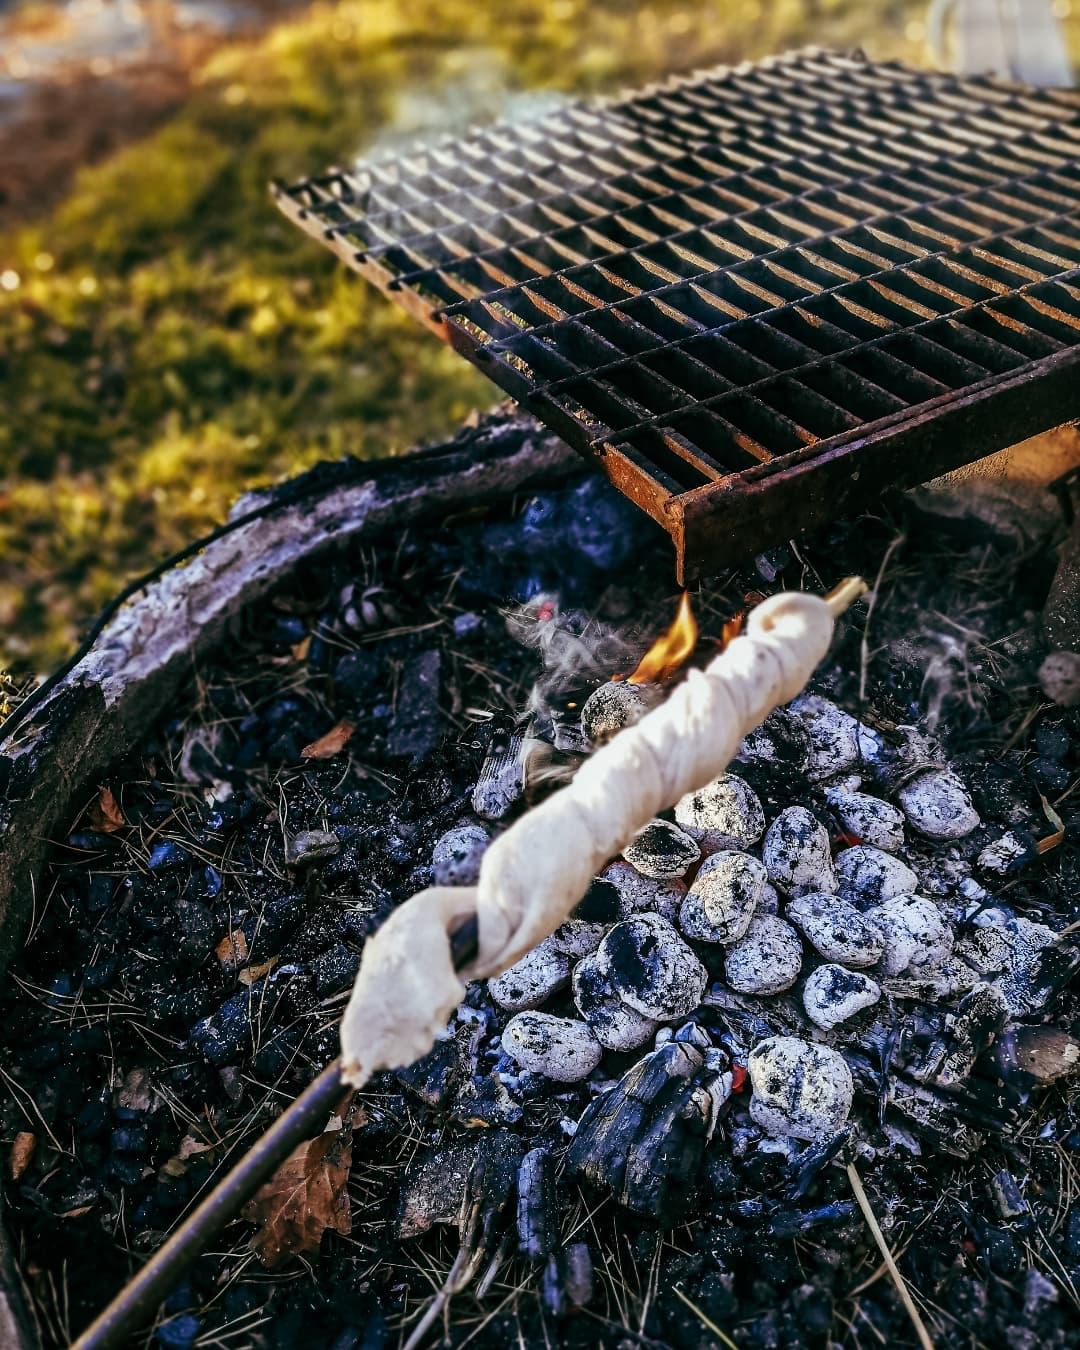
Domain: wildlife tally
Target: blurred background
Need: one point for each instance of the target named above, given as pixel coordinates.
(166, 338)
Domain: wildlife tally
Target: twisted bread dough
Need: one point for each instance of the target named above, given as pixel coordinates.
(533, 875)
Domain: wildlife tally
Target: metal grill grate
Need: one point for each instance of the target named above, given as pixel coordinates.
(758, 295)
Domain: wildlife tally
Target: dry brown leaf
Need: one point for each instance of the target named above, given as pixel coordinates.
(331, 744)
(299, 650)
(250, 974)
(305, 1196)
(22, 1152)
(105, 814)
(232, 950)
(1051, 841)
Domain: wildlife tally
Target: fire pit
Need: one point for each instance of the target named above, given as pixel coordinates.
(757, 295)
(853, 951)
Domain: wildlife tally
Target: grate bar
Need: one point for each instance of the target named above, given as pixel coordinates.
(753, 294)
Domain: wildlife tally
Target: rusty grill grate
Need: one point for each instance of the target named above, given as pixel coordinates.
(757, 295)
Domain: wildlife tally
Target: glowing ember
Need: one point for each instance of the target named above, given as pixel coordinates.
(669, 652)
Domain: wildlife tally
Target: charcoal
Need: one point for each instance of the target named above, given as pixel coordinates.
(196, 930)
(334, 970)
(223, 1035)
(537, 1210)
(867, 820)
(614, 1023)
(868, 876)
(455, 859)
(501, 784)
(796, 853)
(357, 674)
(834, 736)
(644, 1139)
(799, 1089)
(557, 1047)
(723, 897)
(167, 856)
(178, 1333)
(789, 1223)
(832, 995)
(416, 723)
(808, 1165)
(433, 1186)
(567, 1282)
(1059, 678)
(1007, 1195)
(725, 814)
(976, 1025)
(914, 931)
(938, 806)
(766, 959)
(1008, 853)
(612, 706)
(483, 1100)
(1052, 741)
(637, 892)
(583, 931)
(780, 744)
(651, 968)
(661, 850)
(836, 929)
(310, 846)
(532, 980)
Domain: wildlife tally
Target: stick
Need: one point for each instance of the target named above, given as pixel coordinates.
(135, 1303)
(894, 1269)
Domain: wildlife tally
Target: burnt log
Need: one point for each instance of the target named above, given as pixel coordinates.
(645, 1138)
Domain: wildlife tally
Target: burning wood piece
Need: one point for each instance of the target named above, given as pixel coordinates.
(501, 784)
(1036, 1055)
(537, 1212)
(482, 1219)
(645, 1138)
(568, 1280)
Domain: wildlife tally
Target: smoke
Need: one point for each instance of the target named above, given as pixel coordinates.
(577, 652)
(473, 88)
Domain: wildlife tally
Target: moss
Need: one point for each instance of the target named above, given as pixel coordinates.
(173, 341)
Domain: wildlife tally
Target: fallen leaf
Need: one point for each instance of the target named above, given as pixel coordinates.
(250, 974)
(331, 744)
(105, 814)
(232, 950)
(190, 1147)
(22, 1151)
(299, 650)
(306, 1196)
(1050, 841)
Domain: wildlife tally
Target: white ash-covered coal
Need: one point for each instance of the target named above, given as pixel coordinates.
(800, 911)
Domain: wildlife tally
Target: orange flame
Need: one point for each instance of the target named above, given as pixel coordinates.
(669, 652)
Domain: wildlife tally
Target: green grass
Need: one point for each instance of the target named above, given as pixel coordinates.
(173, 341)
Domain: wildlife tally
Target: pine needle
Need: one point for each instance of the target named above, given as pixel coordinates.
(893, 1268)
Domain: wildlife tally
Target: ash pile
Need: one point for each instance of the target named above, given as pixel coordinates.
(854, 948)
